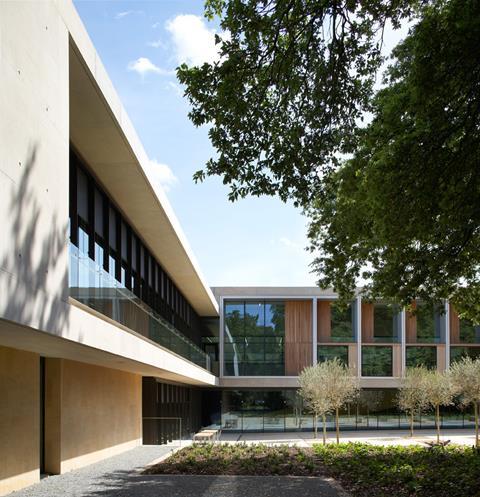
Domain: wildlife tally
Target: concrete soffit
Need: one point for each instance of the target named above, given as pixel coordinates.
(102, 133)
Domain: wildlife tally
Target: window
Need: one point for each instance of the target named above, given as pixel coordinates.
(421, 356)
(329, 352)
(457, 353)
(386, 323)
(342, 323)
(254, 338)
(377, 361)
(469, 332)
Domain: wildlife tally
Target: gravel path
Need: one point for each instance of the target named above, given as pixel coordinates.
(96, 479)
(118, 476)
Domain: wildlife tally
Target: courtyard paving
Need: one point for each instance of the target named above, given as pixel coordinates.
(120, 476)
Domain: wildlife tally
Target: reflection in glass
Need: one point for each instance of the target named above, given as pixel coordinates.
(377, 361)
(282, 410)
(91, 285)
(254, 338)
(458, 353)
(429, 323)
(342, 323)
(386, 323)
(329, 352)
(469, 332)
(421, 356)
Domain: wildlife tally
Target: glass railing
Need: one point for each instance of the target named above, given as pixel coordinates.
(91, 285)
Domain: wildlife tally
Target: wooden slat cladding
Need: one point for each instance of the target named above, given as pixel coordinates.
(454, 325)
(367, 322)
(324, 321)
(298, 336)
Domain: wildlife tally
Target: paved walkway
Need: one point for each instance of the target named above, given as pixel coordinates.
(375, 437)
(120, 476)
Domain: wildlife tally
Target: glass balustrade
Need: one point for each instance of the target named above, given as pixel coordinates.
(91, 285)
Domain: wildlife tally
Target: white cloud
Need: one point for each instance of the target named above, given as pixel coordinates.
(125, 13)
(157, 44)
(143, 66)
(175, 88)
(161, 175)
(193, 42)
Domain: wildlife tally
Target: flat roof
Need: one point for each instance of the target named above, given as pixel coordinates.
(103, 134)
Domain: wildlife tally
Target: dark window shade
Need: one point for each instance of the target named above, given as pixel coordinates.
(112, 228)
(82, 195)
(99, 225)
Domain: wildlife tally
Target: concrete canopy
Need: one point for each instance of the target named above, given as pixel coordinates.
(103, 135)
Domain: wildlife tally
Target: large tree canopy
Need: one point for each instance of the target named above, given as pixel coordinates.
(395, 201)
(283, 101)
(407, 205)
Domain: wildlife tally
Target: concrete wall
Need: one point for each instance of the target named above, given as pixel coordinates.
(34, 154)
(91, 413)
(19, 419)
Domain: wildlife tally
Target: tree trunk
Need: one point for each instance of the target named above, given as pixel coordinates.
(315, 418)
(437, 417)
(475, 406)
(412, 420)
(337, 428)
(324, 429)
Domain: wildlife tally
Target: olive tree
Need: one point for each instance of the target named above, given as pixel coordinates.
(314, 392)
(438, 391)
(465, 376)
(410, 398)
(333, 385)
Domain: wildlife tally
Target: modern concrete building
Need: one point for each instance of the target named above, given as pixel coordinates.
(109, 335)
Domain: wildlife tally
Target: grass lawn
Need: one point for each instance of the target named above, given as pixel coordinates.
(362, 469)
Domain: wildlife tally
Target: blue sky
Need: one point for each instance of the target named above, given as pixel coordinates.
(255, 241)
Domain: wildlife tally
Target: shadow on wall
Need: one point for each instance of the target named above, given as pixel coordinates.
(35, 285)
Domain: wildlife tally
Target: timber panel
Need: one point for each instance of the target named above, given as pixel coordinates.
(324, 321)
(367, 322)
(298, 336)
(454, 325)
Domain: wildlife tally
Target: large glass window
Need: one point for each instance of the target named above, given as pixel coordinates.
(421, 356)
(377, 361)
(254, 338)
(457, 353)
(429, 323)
(386, 321)
(342, 323)
(469, 332)
(329, 352)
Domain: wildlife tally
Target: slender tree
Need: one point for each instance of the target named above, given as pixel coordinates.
(314, 391)
(410, 398)
(333, 384)
(465, 376)
(438, 391)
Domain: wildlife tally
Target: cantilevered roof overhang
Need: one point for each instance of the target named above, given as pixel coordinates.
(102, 133)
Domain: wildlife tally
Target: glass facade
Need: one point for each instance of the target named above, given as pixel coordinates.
(283, 410)
(254, 338)
(377, 360)
(329, 352)
(457, 353)
(112, 271)
(430, 324)
(343, 322)
(91, 285)
(421, 356)
(387, 323)
(469, 332)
